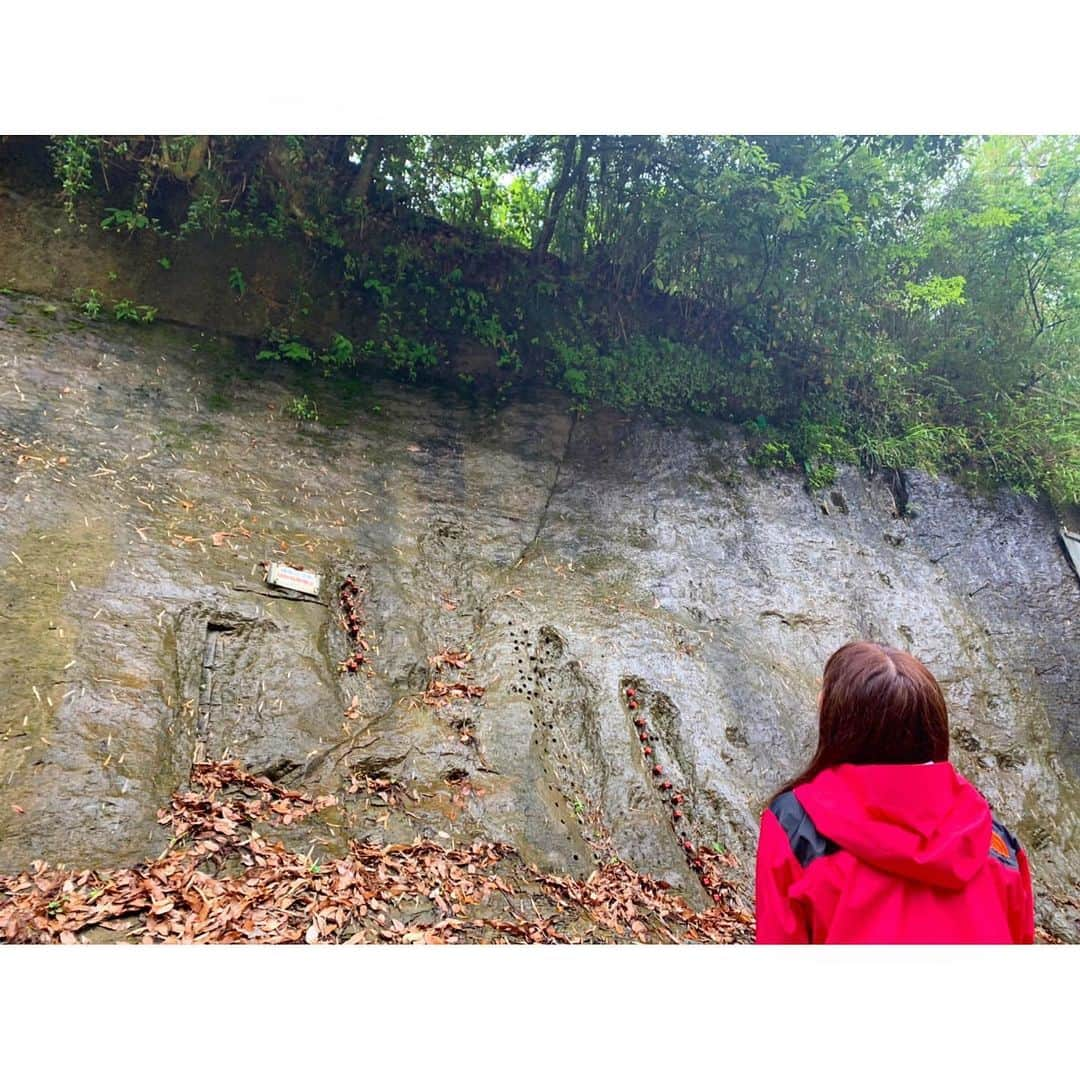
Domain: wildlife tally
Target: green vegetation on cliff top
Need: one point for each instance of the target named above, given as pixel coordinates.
(901, 301)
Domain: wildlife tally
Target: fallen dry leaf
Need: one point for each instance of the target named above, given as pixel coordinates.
(456, 658)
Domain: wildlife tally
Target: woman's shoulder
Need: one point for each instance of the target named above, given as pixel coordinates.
(807, 843)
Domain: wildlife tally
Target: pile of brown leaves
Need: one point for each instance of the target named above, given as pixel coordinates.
(221, 881)
(1044, 937)
(439, 693)
(623, 901)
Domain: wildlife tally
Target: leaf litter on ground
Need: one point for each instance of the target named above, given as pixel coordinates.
(221, 881)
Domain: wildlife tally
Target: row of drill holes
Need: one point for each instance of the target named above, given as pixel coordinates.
(515, 689)
(551, 787)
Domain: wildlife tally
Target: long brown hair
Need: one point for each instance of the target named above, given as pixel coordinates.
(879, 706)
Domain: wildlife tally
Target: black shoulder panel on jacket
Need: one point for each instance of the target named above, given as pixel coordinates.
(1004, 846)
(807, 844)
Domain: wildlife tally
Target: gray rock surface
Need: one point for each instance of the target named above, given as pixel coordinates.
(142, 481)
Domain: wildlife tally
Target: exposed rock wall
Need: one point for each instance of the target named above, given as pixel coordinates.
(519, 574)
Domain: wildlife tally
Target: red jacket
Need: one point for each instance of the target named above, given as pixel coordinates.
(890, 854)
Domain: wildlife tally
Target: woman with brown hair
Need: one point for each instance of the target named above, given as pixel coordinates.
(879, 840)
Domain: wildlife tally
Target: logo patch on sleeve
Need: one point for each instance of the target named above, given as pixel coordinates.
(999, 847)
(1003, 845)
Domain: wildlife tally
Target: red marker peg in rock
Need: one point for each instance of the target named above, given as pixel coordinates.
(688, 846)
(657, 770)
(677, 814)
(646, 750)
(666, 785)
(631, 692)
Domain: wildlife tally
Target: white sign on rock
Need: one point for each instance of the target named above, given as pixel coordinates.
(288, 577)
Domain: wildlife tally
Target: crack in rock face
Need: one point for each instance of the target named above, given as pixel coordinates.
(503, 582)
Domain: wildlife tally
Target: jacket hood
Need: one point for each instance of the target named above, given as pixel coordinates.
(923, 822)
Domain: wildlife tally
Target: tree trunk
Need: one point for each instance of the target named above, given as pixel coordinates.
(603, 152)
(558, 197)
(361, 186)
(576, 253)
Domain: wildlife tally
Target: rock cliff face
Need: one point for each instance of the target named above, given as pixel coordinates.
(534, 593)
